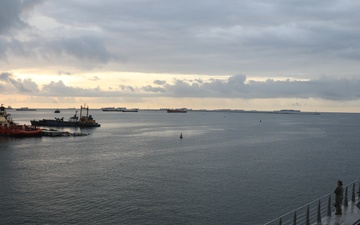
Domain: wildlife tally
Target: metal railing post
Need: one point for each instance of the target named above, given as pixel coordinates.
(294, 218)
(353, 194)
(329, 207)
(308, 215)
(280, 222)
(318, 220)
(346, 198)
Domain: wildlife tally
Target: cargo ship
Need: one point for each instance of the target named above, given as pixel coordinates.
(182, 110)
(131, 110)
(25, 109)
(113, 109)
(74, 121)
(9, 128)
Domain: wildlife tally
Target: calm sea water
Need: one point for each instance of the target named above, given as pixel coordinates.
(230, 168)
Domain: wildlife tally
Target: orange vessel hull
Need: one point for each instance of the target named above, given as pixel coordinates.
(20, 131)
(9, 128)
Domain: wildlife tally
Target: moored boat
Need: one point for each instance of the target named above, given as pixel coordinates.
(85, 120)
(9, 128)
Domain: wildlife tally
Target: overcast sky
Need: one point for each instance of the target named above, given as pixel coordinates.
(252, 55)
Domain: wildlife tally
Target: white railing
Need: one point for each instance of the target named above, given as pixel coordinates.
(313, 212)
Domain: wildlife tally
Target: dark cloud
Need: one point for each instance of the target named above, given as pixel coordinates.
(11, 22)
(237, 87)
(85, 48)
(55, 46)
(10, 11)
(150, 89)
(202, 37)
(81, 51)
(60, 89)
(159, 82)
(127, 88)
(9, 84)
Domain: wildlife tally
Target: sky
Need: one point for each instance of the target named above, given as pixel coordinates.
(198, 54)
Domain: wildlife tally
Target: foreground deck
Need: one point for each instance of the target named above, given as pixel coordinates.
(350, 216)
(322, 212)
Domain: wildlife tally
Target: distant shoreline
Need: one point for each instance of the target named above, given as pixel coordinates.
(296, 112)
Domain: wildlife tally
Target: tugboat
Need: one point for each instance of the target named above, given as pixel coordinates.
(9, 128)
(74, 121)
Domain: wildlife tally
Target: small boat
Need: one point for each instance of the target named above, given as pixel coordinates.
(9, 128)
(57, 111)
(182, 110)
(25, 109)
(181, 136)
(74, 121)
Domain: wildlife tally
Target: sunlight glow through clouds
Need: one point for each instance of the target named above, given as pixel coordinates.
(107, 79)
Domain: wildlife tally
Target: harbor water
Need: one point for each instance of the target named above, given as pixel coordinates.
(229, 168)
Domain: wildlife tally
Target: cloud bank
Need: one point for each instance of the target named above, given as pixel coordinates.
(236, 86)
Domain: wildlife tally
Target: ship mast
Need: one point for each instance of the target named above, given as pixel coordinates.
(87, 110)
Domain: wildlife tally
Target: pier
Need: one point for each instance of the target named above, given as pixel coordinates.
(322, 212)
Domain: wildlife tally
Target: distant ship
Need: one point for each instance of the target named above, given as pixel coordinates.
(119, 109)
(9, 128)
(25, 109)
(289, 111)
(130, 110)
(57, 111)
(74, 121)
(182, 110)
(294, 111)
(113, 109)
